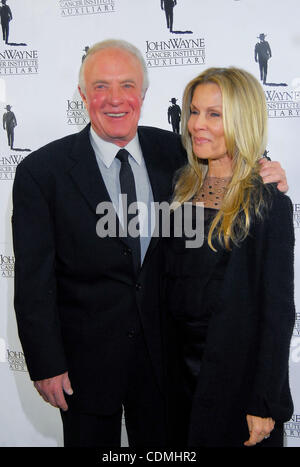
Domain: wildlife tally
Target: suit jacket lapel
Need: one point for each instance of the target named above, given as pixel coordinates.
(156, 176)
(88, 179)
(85, 171)
(87, 176)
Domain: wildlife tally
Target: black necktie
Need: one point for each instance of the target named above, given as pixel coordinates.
(127, 185)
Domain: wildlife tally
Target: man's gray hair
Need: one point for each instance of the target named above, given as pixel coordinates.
(115, 44)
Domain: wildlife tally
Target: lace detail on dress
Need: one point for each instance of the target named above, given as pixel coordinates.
(212, 192)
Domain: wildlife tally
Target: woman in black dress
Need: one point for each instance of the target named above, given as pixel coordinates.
(230, 302)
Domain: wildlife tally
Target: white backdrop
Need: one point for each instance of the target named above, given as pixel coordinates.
(38, 79)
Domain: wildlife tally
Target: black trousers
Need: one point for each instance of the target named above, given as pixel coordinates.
(169, 16)
(10, 137)
(5, 30)
(143, 406)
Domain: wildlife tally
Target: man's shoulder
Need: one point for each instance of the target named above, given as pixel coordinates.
(163, 142)
(157, 131)
(61, 143)
(52, 153)
(159, 135)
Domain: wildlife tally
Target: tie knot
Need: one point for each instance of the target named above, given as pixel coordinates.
(122, 155)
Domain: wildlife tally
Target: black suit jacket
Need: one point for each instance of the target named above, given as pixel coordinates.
(76, 294)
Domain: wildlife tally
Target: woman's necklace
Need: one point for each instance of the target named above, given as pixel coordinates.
(212, 191)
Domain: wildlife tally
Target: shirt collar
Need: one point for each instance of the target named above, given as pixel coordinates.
(107, 151)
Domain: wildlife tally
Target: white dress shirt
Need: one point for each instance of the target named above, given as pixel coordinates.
(110, 167)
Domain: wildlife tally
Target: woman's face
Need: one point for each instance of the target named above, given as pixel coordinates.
(206, 122)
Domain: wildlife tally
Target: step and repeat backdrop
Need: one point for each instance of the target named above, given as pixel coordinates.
(41, 49)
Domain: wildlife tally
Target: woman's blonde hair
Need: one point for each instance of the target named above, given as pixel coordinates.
(245, 132)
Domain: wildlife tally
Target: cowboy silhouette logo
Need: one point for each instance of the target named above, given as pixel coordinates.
(86, 7)
(9, 124)
(262, 54)
(174, 115)
(168, 7)
(85, 50)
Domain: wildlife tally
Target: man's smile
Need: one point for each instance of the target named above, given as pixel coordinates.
(116, 115)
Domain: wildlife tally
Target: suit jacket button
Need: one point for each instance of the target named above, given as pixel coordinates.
(131, 333)
(126, 251)
(138, 286)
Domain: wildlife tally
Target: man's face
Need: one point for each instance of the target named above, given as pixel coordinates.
(113, 94)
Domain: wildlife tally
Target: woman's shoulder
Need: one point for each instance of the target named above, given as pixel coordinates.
(277, 213)
(269, 197)
(276, 199)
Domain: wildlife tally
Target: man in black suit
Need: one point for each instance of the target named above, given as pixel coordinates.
(88, 307)
(89, 318)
